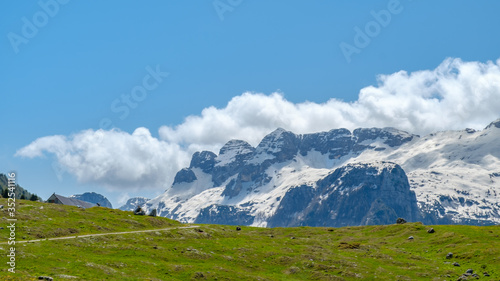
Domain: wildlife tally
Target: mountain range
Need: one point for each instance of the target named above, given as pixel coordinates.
(133, 203)
(339, 178)
(93, 197)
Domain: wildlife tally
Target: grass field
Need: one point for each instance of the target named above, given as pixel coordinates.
(216, 252)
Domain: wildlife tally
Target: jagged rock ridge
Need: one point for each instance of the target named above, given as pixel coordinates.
(324, 179)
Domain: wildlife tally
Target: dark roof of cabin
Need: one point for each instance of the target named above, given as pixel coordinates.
(73, 202)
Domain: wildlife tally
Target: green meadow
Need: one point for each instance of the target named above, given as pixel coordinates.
(219, 252)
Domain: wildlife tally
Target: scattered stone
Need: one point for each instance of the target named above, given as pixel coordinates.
(486, 274)
(45, 278)
(449, 255)
(139, 211)
(199, 275)
(199, 230)
(152, 213)
(1, 227)
(1, 207)
(410, 238)
(400, 221)
(238, 228)
(292, 237)
(475, 275)
(456, 264)
(155, 247)
(431, 230)
(469, 271)
(41, 207)
(67, 276)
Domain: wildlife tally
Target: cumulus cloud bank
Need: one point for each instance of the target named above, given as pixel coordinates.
(116, 159)
(455, 95)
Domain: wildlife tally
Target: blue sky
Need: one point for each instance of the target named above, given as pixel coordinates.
(86, 55)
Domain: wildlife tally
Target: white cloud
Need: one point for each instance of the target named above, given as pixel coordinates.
(122, 199)
(455, 95)
(113, 158)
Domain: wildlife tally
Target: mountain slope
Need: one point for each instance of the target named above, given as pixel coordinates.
(454, 175)
(132, 203)
(355, 194)
(19, 191)
(93, 197)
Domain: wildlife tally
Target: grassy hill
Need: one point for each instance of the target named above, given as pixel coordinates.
(20, 192)
(215, 252)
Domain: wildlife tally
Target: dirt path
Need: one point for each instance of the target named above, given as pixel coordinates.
(101, 234)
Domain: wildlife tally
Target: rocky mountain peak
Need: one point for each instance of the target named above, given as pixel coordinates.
(234, 150)
(494, 124)
(232, 157)
(340, 178)
(235, 145)
(278, 135)
(93, 197)
(336, 143)
(281, 144)
(204, 160)
(391, 136)
(184, 175)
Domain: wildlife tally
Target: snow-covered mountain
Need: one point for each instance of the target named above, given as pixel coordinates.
(133, 202)
(335, 178)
